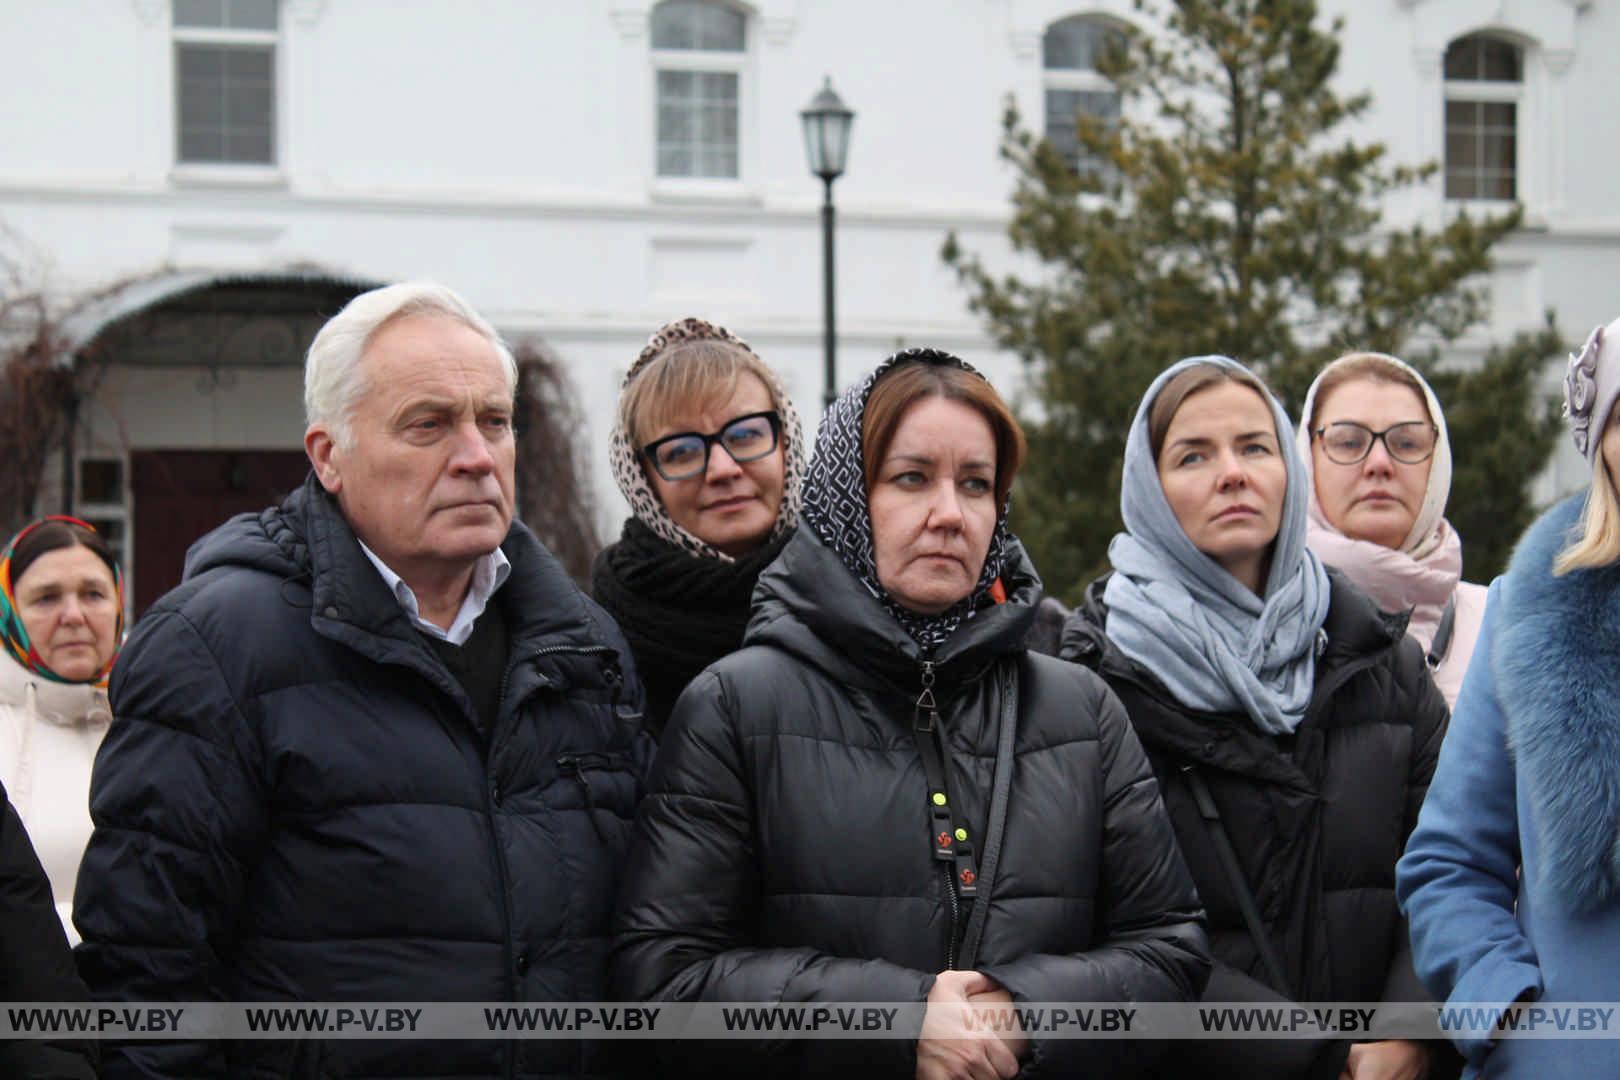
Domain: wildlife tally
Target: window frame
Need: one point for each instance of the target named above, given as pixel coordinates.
(1488, 92)
(248, 173)
(1082, 80)
(706, 61)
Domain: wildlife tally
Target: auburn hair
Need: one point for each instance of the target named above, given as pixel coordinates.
(912, 381)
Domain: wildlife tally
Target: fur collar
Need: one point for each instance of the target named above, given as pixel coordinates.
(1557, 661)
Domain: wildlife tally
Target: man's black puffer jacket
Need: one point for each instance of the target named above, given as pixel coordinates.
(297, 802)
(783, 852)
(1318, 819)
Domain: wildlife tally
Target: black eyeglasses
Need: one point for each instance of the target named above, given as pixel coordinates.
(686, 454)
(1349, 443)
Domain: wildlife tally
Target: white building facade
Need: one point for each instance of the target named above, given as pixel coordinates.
(584, 170)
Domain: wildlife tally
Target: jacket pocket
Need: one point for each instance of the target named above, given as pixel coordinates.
(606, 786)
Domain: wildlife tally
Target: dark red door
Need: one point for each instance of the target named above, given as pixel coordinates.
(181, 494)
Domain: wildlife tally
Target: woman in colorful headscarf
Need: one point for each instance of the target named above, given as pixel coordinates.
(1374, 443)
(1512, 877)
(885, 797)
(1292, 726)
(709, 453)
(62, 617)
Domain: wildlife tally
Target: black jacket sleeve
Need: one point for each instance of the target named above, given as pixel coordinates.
(689, 904)
(35, 962)
(1149, 919)
(178, 810)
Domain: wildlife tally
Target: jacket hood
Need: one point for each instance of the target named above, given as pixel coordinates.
(270, 540)
(808, 603)
(66, 704)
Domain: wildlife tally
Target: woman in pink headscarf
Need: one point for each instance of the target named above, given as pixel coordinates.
(1374, 438)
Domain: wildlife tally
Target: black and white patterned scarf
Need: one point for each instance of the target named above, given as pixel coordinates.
(626, 459)
(835, 505)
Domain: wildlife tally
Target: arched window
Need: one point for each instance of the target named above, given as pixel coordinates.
(1071, 50)
(1484, 86)
(698, 51)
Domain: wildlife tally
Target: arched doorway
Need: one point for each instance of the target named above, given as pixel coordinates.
(192, 410)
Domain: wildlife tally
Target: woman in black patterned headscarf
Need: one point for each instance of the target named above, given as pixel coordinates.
(709, 453)
(884, 797)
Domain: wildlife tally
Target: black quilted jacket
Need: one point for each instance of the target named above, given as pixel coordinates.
(296, 801)
(1318, 819)
(783, 852)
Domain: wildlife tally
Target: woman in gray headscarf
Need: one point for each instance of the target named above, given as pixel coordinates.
(1293, 728)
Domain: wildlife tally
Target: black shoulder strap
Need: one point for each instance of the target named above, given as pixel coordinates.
(1442, 633)
(996, 827)
(1234, 876)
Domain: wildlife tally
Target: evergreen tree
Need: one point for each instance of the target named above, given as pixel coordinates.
(1233, 214)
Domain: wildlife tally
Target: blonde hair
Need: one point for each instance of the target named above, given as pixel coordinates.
(1362, 365)
(1599, 542)
(684, 379)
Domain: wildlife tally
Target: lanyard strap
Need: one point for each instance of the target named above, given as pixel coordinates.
(1235, 880)
(947, 835)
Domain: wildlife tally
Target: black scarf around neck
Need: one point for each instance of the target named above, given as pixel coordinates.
(680, 612)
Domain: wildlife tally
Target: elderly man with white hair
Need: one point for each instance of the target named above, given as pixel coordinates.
(377, 746)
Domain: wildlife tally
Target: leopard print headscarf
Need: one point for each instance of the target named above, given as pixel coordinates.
(626, 459)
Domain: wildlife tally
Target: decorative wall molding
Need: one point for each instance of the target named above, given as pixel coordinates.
(305, 12)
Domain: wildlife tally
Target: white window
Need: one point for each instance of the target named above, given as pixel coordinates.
(1484, 89)
(225, 81)
(698, 53)
(1070, 51)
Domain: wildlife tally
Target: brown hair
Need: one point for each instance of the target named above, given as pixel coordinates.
(1361, 365)
(1193, 380)
(683, 379)
(52, 536)
(908, 383)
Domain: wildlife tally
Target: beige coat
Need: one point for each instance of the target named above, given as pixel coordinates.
(49, 734)
(1464, 633)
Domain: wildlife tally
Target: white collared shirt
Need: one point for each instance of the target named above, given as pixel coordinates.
(489, 573)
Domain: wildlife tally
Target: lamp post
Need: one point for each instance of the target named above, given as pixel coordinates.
(827, 121)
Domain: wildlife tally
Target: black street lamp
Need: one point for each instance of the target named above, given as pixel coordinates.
(827, 121)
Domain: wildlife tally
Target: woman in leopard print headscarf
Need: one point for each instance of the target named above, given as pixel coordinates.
(708, 451)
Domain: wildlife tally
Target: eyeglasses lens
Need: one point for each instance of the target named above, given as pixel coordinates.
(749, 439)
(680, 458)
(1410, 443)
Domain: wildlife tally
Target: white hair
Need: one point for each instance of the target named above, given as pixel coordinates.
(333, 381)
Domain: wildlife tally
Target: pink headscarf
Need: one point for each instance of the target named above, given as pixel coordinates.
(1422, 574)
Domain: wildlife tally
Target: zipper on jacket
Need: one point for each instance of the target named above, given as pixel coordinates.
(578, 765)
(492, 797)
(926, 717)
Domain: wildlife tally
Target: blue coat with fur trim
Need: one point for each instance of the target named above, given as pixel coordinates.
(1511, 880)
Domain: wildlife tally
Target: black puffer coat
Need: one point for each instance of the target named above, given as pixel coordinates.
(297, 802)
(1317, 819)
(35, 961)
(783, 851)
